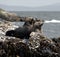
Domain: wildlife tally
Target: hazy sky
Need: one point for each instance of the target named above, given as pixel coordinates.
(31, 3)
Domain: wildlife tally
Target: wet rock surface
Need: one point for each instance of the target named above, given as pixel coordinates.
(15, 47)
(37, 45)
(5, 26)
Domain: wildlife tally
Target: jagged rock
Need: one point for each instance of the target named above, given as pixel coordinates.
(37, 45)
(43, 47)
(34, 40)
(4, 26)
(13, 48)
(57, 43)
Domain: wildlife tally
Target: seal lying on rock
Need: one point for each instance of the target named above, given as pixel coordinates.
(21, 32)
(24, 32)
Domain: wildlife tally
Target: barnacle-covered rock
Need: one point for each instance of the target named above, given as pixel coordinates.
(37, 45)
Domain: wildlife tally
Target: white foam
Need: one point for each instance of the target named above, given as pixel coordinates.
(52, 21)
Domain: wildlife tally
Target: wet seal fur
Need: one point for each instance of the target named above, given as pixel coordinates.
(28, 27)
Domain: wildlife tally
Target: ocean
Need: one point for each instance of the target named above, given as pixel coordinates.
(51, 27)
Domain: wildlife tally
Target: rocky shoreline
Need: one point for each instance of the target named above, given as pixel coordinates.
(37, 45)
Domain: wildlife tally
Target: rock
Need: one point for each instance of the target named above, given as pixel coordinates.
(13, 48)
(4, 15)
(4, 26)
(57, 43)
(37, 45)
(34, 40)
(7, 16)
(42, 46)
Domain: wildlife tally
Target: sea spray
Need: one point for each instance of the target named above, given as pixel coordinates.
(52, 21)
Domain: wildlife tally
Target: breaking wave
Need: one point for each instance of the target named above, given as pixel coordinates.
(52, 21)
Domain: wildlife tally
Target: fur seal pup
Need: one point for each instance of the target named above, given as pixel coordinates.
(24, 32)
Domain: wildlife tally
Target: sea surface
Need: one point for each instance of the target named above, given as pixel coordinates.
(51, 27)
